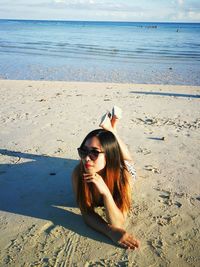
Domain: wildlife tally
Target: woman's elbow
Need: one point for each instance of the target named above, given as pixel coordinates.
(86, 217)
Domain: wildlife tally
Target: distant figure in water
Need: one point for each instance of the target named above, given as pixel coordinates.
(103, 178)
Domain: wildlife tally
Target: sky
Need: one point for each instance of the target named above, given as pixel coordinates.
(102, 10)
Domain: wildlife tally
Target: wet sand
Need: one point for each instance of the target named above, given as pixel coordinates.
(42, 124)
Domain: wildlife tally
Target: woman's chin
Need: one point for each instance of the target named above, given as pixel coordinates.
(89, 170)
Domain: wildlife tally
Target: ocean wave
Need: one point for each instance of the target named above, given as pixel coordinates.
(64, 49)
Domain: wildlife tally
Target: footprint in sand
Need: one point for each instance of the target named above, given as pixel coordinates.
(137, 209)
(111, 262)
(57, 246)
(164, 220)
(152, 169)
(144, 151)
(157, 246)
(167, 197)
(17, 245)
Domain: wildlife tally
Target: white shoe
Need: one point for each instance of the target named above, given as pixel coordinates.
(105, 121)
(116, 112)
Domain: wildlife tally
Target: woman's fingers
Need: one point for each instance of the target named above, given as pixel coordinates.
(123, 239)
(133, 241)
(88, 177)
(129, 245)
(126, 244)
(128, 241)
(123, 244)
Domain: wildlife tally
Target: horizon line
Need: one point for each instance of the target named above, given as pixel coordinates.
(121, 21)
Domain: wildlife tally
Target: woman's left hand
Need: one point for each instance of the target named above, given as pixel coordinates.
(96, 179)
(122, 238)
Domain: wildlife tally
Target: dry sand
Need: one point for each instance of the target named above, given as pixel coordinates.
(42, 124)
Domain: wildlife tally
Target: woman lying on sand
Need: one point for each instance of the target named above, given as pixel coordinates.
(102, 178)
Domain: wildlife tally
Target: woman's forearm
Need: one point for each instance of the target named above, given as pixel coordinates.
(96, 222)
(114, 215)
(117, 235)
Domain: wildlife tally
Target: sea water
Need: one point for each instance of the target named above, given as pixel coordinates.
(167, 53)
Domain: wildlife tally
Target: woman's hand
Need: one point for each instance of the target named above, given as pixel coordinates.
(122, 238)
(96, 179)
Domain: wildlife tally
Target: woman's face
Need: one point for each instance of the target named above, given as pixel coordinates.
(98, 164)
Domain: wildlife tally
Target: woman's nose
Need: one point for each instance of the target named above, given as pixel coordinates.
(87, 158)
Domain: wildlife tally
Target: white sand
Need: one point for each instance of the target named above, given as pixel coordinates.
(42, 124)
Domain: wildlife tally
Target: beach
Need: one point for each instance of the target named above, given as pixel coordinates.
(43, 123)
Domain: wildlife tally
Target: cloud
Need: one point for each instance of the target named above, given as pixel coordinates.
(119, 6)
(180, 2)
(59, 1)
(68, 2)
(193, 15)
(80, 2)
(129, 10)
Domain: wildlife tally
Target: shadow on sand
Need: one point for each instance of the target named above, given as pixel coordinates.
(41, 188)
(165, 94)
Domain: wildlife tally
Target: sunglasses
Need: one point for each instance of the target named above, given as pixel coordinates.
(91, 153)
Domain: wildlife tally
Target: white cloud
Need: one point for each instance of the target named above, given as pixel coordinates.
(76, 2)
(99, 5)
(59, 1)
(128, 10)
(180, 2)
(195, 16)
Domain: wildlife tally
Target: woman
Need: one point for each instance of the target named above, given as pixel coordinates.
(102, 179)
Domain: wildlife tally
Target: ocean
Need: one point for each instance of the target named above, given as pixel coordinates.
(133, 52)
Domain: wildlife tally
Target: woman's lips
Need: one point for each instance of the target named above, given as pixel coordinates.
(87, 166)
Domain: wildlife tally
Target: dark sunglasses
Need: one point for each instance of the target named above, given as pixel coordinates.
(92, 153)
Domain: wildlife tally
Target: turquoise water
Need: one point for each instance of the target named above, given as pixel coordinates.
(166, 53)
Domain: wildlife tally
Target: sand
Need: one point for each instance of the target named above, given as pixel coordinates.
(42, 124)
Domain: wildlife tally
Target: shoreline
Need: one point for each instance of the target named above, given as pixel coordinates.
(139, 73)
(42, 124)
(174, 86)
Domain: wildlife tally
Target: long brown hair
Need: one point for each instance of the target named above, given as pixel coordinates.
(115, 174)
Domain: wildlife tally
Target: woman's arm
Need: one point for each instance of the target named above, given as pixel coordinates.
(116, 234)
(114, 215)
